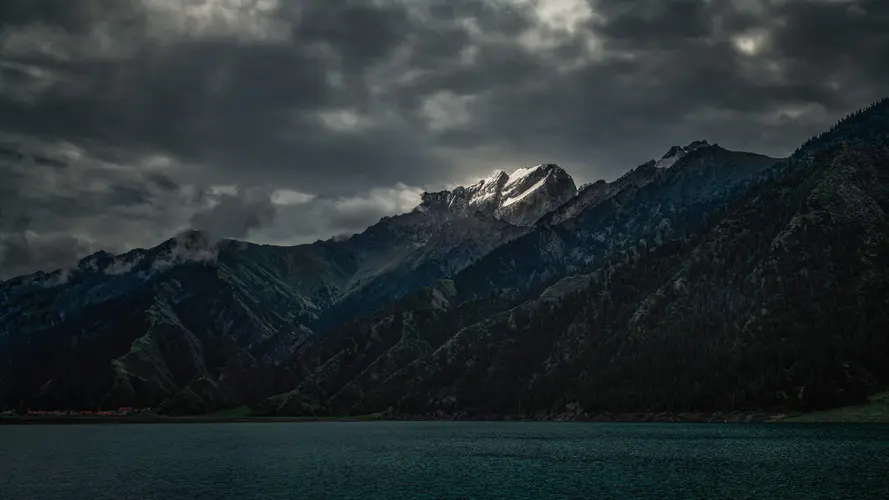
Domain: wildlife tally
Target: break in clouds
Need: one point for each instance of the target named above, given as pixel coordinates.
(124, 122)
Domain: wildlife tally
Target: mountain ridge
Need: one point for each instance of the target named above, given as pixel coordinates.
(612, 341)
(519, 198)
(233, 303)
(450, 311)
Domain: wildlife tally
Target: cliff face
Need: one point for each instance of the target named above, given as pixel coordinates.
(520, 198)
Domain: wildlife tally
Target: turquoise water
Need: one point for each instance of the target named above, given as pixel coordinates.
(443, 460)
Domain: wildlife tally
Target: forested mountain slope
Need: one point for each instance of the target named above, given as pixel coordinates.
(781, 305)
(777, 300)
(705, 280)
(650, 203)
(203, 323)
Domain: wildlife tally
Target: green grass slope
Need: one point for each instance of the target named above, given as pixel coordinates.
(876, 410)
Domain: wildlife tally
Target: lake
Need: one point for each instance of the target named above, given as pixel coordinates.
(437, 460)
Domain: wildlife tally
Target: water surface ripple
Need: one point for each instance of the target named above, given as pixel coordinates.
(444, 460)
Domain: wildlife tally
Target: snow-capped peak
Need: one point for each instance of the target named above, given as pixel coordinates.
(677, 152)
(521, 173)
(494, 177)
(519, 198)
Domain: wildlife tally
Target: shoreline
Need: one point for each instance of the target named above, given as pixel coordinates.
(875, 411)
(297, 420)
(198, 419)
(166, 420)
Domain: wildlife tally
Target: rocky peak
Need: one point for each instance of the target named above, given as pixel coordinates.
(519, 198)
(532, 193)
(599, 184)
(677, 152)
(436, 200)
(95, 261)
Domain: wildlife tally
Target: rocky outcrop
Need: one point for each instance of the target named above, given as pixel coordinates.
(520, 198)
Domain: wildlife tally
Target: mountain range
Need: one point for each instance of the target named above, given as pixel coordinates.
(705, 280)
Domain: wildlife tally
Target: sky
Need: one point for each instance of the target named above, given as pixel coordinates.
(124, 122)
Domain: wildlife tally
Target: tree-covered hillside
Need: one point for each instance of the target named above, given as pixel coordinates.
(778, 299)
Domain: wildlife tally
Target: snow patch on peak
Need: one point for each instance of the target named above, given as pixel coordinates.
(520, 198)
(521, 173)
(668, 161)
(525, 194)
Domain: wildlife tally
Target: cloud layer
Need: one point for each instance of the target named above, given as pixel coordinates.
(283, 121)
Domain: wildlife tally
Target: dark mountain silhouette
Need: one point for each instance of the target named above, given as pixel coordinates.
(707, 280)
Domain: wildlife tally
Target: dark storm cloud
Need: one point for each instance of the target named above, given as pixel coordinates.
(162, 181)
(662, 24)
(309, 219)
(184, 100)
(20, 252)
(845, 40)
(20, 249)
(73, 16)
(674, 71)
(246, 105)
(11, 153)
(235, 215)
(148, 108)
(364, 33)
